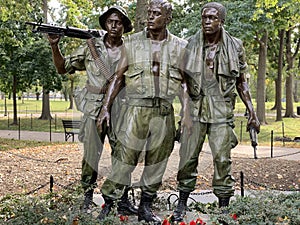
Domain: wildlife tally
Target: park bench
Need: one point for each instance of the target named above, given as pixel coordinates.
(71, 128)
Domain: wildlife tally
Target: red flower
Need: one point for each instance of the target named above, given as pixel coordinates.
(200, 222)
(166, 222)
(123, 218)
(193, 222)
(234, 216)
(102, 206)
(182, 223)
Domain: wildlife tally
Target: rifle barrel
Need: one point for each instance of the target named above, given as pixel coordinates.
(63, 31)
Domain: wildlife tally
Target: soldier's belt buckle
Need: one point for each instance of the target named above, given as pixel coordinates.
(156, 102)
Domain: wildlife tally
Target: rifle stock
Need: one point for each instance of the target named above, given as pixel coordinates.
(63, 31)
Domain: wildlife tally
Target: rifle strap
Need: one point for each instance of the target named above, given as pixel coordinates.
(98, 60)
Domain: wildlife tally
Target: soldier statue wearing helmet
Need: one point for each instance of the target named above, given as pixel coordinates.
(88, 99)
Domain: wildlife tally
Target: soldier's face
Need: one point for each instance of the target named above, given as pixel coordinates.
(114, 25)
(157, 18)
(211, 22)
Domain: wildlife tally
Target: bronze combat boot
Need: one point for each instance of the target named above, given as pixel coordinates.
(125, 207)
(181, 208)
(88, 201)
(223, 204)
(145, 212)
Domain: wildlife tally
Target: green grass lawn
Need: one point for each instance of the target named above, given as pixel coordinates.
(289, 127)
(33, 106)
(30, 110)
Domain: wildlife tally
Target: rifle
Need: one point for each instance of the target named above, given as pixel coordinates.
(253, 137)
(63, 31)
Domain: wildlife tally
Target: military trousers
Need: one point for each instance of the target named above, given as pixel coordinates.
(93, 142)
(221, 139)
(147, 129)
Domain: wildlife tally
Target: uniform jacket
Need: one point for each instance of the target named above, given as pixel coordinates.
(139, 78)
(214, 103)
(81, 59)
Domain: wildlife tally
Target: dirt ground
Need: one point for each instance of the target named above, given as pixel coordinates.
(28, 171)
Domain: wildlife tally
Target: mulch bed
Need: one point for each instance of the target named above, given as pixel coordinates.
(28, 170)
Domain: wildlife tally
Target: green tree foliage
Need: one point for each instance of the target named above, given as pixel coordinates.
(25, 59)
(248, 20)
(46, 75)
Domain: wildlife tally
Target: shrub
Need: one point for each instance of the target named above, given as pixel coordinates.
(269, 207)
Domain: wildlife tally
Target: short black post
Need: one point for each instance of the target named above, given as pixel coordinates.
(31, 121)
(5, 106)
(242, 184)
(272, 143)
(241, 132)
(50, 129)
(55, 122)
(283, 135)
(51, 183)
(19, 128)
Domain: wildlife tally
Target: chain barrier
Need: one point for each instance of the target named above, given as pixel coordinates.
(68, 186)
(51, 185)
(292, 129)
(288, 154)
(268, 157)
(38, 160)
(242, 179)
(284, 137)
(38, 188)
(265, 157)
(169, 203)
(191, 198)
(281, 130)
(265, 136)
(29, 158)
(270, 188)
(46, 161)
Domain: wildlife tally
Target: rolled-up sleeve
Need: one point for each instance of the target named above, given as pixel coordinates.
(76, 60)
(242, 59)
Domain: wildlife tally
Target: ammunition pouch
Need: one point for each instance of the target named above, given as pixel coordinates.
(80, 98)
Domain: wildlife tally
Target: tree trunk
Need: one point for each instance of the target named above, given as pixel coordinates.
(261, 76)
(289, 112)
(65, 92)
(5, 106)
(46, 115)
(71, 94)
(296, 99)
(140, 15)
(296, 85)
(296, 92)
(14, 93)
(279, 77)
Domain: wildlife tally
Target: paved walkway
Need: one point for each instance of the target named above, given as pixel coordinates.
(243, 150)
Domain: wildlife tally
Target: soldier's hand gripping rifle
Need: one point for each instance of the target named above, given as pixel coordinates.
(253, 137)
(63, 31)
